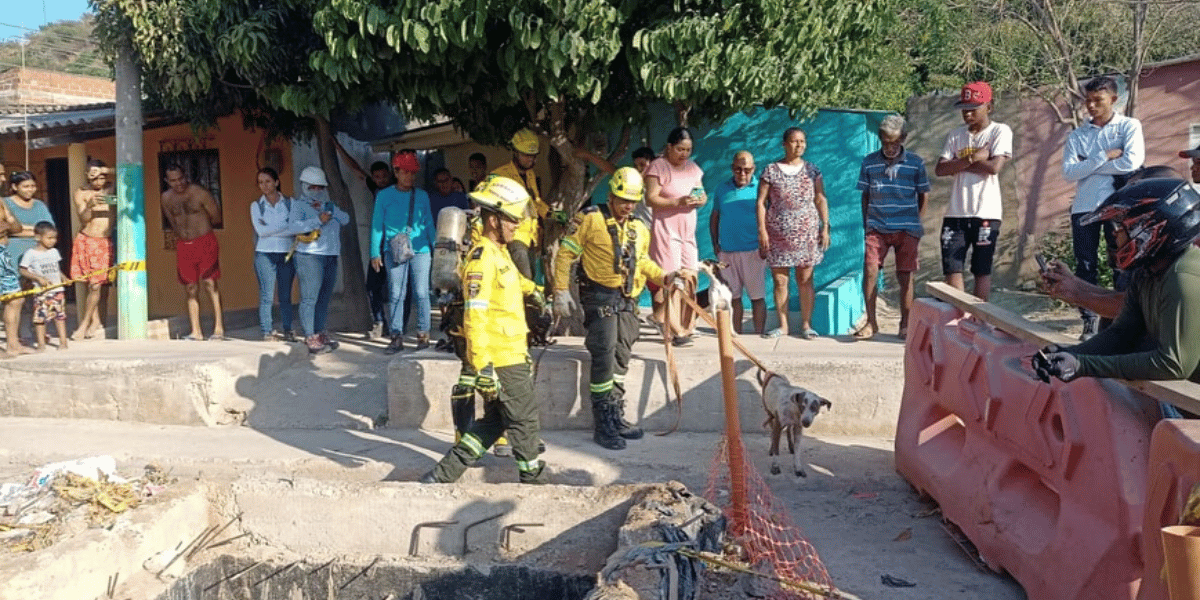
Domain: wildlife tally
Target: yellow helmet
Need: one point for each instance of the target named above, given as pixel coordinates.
(525, 142)
(503, 196)
(627, 184)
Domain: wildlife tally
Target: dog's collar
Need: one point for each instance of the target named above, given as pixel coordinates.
(767, 379)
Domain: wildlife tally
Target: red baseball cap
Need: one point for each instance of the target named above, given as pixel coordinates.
(1193, 153)
(406, 160)
(974, 95)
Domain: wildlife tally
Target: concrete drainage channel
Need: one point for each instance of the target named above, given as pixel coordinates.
(266, 539)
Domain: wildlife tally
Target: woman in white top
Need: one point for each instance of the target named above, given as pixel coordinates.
(275, 272)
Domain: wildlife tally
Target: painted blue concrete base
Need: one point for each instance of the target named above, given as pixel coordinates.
(838, 306)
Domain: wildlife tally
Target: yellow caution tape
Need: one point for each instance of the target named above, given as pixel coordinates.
(134, 265)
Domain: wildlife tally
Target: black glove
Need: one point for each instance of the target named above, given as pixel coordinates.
(1051, 361)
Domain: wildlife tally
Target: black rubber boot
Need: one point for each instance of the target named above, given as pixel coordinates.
(625, 429)
(604, 420)
(462, 408)
(539, 477)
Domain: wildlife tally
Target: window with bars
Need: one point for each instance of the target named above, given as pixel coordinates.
(203, 168)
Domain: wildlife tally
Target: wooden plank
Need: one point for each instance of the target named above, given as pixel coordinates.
(1181, 393)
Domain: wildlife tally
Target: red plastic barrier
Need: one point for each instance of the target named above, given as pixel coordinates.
(1174, 469)
(1047, 480)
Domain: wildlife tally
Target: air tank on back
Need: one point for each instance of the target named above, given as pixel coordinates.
(447, 249)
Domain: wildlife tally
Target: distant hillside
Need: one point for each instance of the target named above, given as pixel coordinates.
(61, 46)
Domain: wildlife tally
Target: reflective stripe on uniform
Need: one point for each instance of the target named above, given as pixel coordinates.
(600, 388)
(529, 466)
(618, 378)
(479, 304)
(467, 380)
(571, 245)
(472, 444)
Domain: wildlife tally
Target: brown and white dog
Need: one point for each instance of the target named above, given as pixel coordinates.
(789, 410)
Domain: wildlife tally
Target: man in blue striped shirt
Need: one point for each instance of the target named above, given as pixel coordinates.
(894, 188)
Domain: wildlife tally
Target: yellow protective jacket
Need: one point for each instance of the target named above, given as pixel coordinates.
(527, 232)
(494, 307)
(590, 235)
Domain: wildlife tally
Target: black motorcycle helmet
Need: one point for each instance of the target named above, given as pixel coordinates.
(1159, 215)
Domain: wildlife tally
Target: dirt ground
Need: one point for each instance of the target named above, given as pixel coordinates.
(870, 528)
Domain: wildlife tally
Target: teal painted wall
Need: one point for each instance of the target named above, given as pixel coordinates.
(837, 142)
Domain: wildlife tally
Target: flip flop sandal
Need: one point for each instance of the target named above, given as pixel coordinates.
(216, 338)
(773, 334)
(190, 338)
(810, 334)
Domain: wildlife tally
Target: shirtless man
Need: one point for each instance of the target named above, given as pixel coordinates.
(192, 213)
(92, 249)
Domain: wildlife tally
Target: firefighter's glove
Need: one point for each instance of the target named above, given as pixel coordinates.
(564, 304)
(1051, 361)
(485, 382)
(538, 299)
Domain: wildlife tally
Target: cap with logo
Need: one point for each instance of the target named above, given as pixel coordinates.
(974, 95)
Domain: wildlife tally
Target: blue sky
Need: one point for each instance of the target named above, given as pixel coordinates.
(32, 14)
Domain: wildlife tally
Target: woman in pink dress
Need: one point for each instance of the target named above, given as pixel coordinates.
(674, 191)
(793, 227)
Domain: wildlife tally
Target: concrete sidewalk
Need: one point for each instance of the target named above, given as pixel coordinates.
(278, 385)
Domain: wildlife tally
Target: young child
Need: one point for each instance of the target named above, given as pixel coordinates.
(40, 264)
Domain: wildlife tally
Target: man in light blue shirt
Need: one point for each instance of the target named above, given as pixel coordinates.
(733, 226)
(1107, 145)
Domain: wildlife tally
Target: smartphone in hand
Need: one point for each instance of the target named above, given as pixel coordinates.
(1042, 264)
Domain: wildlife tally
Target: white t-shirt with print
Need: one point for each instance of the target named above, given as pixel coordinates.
(977, 195)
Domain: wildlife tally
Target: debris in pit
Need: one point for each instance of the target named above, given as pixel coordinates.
(65, 498)
(895, 582)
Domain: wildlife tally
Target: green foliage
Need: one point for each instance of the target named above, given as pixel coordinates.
(1057, 245)
(569, 68)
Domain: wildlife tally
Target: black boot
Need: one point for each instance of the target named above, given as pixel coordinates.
(604, 421)
(625, 429)
(462, 409)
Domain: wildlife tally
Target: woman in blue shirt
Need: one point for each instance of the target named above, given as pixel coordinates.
(29, 211)
(404, 208)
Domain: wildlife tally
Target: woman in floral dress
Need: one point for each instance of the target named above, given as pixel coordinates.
(793, 227)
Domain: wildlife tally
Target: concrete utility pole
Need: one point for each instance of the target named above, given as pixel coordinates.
(131, 200)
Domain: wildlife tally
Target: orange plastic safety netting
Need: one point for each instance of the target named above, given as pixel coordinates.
(771, 544)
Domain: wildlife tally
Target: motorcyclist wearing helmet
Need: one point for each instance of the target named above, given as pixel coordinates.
(1157, 224)
(494, 328)
(613, 250)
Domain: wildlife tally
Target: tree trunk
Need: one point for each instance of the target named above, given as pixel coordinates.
(356, 309)
(1139, 53)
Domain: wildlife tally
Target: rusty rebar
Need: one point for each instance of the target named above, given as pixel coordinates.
(508, 530)
(467, 529)
(415, 537)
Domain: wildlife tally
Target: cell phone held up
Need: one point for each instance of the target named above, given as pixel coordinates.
(1043, 265)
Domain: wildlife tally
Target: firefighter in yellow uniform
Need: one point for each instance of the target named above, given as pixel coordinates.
(613, 249)
(525, 148)
(494, 327)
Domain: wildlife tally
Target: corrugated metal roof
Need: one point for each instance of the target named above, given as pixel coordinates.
(16, 123)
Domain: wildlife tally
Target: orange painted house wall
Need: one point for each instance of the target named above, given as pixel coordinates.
(241, 153)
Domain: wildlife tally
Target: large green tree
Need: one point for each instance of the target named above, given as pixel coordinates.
(574, 70)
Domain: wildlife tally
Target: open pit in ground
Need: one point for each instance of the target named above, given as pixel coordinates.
(294, 539)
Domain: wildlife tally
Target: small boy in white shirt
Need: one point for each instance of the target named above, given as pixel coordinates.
(40, 264)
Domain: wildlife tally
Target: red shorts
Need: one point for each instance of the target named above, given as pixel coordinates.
(89, 255)
(906, 249)
(198, 259)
